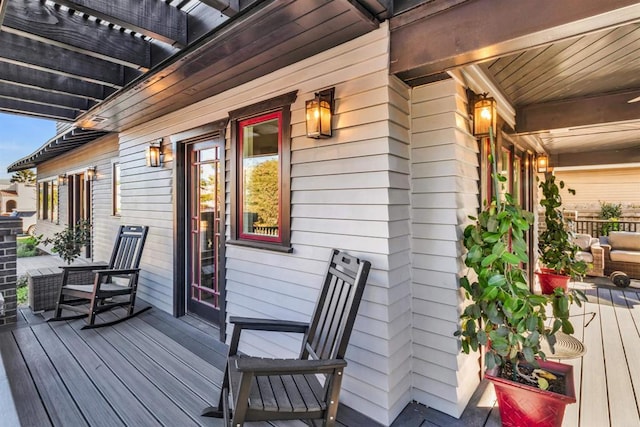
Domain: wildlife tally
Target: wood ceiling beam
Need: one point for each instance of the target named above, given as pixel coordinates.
(153, 18)
(473, 31)
(49, 24)
(226, 7)
(38, 96)
(605, 108)
(53, 83)
(41, 56)
(37, 110)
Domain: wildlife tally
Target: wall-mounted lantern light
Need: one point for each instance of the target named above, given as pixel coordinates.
(154, 153)
(91, 173)
(542, 164)
(62, 179)
(484, 115)
(319, 112)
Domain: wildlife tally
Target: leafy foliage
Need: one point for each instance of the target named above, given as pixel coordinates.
(26, 176)
(262, 193)
(27, 246)
(556, 249)
(68, 243)
(504, 314)
(610, 210)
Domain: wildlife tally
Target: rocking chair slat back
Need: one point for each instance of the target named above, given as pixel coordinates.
(337, 307)
(127, 250)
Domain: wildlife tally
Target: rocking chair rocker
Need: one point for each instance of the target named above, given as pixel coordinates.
(289, 389)
(114, 284)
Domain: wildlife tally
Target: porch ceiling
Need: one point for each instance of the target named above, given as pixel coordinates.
(570, 69)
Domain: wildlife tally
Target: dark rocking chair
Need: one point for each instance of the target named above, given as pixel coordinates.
(289, 389)
(114, 284)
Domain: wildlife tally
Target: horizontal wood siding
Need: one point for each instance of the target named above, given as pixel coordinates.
(601, 185)
(443, 193)
(99, 153)
(348, 192)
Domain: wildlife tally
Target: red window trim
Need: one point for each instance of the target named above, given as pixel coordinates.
(241, 125)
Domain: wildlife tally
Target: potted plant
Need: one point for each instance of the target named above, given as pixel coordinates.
(68, 243)
(509, 320)
(557, 252)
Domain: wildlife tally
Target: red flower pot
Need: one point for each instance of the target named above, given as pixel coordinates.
(549, 281)
(526, 406)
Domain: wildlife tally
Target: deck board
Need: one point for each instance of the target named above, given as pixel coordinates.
(59, 403)
(29, 408)
(115, 393)
(86, 395)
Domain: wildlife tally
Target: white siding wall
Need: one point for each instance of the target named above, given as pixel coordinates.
(443, 193)
(98, 153)
(348, 192)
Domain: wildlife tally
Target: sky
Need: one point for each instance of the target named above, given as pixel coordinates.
(21, 136)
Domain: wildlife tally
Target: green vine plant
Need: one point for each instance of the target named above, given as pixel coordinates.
(555, 246)
(504, 315)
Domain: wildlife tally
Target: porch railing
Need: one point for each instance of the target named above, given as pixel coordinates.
(602, 227)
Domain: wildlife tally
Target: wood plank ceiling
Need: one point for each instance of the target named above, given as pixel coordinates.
(570, 72)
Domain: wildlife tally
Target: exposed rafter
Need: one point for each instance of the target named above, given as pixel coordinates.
(39, 96)
(153, 18)
(37, 110)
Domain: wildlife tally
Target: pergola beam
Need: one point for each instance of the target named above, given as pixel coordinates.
(37, 110)
(53, 83)
(49, 24)
(226, 7)
(38, 96)
(37, 55)
(472, 31)
(153, 18)
(605, 108)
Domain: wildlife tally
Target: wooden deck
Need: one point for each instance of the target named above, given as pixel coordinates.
(607, 377)
(152, 370)
(157, 370)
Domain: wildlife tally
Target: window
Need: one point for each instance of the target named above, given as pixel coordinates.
(260, 208)
(48, 201)
(115, 190)
(260, 145)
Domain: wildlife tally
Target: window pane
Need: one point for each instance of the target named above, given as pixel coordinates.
(54, 202)
(260, 178)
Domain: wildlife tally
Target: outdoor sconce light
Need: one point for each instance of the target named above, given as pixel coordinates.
(542, 164)
(484, 115)
(319, 112)
(154, 153)
(62, 179)
(91, 173)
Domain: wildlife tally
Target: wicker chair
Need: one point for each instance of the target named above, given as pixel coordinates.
(590, 252)
(622, 253)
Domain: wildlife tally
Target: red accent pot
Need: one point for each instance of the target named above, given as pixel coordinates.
(526, 406)
(549, 281)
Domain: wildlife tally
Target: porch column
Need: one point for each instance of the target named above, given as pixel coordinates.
(9, 228)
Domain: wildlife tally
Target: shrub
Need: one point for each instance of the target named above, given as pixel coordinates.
(610, 210)
(27, 246)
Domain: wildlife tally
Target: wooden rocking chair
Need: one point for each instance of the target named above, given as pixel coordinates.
(289, 389)
(114, 284)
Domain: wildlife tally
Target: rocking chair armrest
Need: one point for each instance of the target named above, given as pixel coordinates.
(269, 324)
(261, 366)
(114, 272)
(84, 267)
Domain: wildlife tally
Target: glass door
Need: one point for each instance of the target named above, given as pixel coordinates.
(205, 198)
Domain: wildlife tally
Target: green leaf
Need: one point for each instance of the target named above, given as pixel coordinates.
(528, 354)
(488, 260)
(497, 280)
(510, 258)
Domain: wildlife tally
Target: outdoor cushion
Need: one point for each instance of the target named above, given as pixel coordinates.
(583, 241)
(625, 256)
(625, 240)
(584, 256)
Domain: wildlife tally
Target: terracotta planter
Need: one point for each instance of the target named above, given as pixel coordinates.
(549, 281)
(525, 406)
